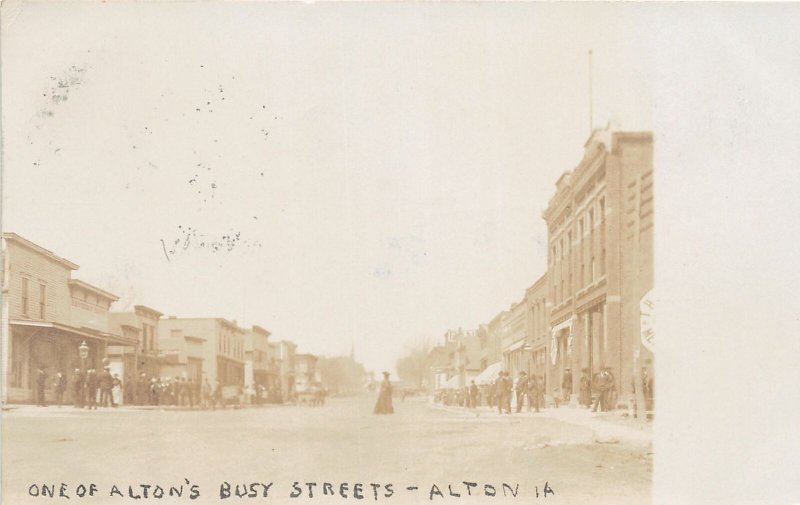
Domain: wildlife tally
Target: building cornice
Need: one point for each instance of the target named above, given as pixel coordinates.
(148, 310)
(16, 239)
(94, 289)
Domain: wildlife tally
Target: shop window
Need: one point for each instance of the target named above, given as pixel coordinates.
(42, 300)
(603, 262)
(24, 296)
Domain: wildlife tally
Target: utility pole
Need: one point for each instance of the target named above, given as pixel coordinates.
(590, 93)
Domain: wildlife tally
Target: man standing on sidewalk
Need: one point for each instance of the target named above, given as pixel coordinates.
(503, 387)
(602, 387)
(91, 389)
(105, 388)
(60, 385)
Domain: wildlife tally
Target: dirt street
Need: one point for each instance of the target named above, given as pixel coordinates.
(340, 443)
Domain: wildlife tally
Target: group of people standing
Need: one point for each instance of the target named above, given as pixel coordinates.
(89, 390)
(596, 392)
(527, 387)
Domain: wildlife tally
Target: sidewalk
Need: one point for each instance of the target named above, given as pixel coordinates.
(608, 427)
(27, 408)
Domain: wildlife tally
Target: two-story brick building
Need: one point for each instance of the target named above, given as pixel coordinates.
(46, 316)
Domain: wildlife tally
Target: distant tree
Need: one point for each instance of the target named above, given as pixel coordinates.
(413, 367)
(341, 373)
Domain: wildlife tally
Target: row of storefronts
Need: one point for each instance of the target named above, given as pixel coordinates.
(53, 323)
(592, 307)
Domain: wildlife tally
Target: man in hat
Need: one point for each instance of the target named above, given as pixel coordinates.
(41, 381)
(499, 388)
(602, 387)
(105, 381)
(611, 391)
(78, 383)
(60, 385)
(504, 388)
(91, 389)
(522, 390)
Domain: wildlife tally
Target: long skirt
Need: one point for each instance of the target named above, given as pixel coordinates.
(384, 404)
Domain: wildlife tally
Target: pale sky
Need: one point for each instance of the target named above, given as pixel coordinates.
(385, 166)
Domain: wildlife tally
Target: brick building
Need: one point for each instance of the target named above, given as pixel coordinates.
(537, 325)
(600, 262)
(46, 316)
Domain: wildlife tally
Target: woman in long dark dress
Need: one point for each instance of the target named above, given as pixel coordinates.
(384, 404)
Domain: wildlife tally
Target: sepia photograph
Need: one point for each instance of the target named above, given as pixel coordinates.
(331, 252)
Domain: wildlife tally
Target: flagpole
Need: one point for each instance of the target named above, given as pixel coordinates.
(590, 93)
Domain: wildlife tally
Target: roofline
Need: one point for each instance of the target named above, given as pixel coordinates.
(260, 329)
(220, 320)
(538, 281)
(86, 285)
(145, 308)
(13, 237)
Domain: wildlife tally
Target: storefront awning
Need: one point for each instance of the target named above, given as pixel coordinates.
(77, 332)
(489, 374)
